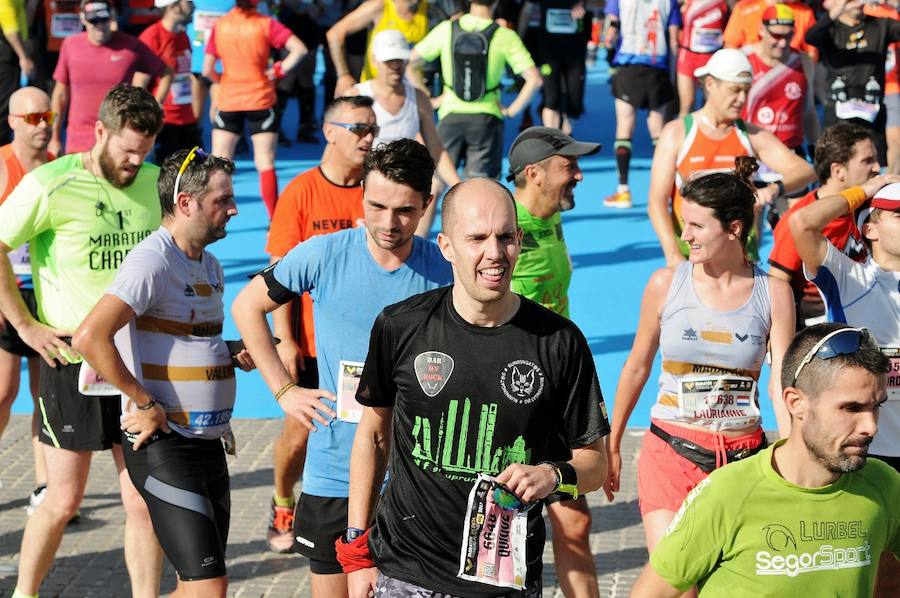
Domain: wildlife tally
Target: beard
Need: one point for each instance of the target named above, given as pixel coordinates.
(835, 462)
(112, 172)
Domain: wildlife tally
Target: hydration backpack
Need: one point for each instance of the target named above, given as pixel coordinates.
(470, 61)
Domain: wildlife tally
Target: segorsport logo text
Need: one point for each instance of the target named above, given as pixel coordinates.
(826, 558)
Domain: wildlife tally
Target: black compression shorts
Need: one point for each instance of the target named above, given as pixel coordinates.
(644, 87)
(184, 482)
(10, 341)
(564, 86)
(259, 121)
(318, 522)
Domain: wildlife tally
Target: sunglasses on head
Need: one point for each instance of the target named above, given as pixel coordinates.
(97, 21)
(840, 342)
(35, 118)
(361, 129)
(195, 154)
(507, 500)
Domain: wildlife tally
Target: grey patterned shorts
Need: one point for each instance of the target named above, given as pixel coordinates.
(388, 587)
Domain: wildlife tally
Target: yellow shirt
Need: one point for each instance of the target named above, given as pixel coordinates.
(413, 30)
(12, 18)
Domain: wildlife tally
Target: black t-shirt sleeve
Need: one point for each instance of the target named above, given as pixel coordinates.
(376, 385)
(817, 35)
(584, 416)
(893, 30)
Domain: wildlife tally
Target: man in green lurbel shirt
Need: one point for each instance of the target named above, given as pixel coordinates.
(543, 165)
(810, 515)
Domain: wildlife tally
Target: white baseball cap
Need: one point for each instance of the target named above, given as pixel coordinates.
(163, 3)
(390, 44)
(729, 65)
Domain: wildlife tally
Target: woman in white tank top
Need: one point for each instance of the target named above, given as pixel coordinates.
(712, 319)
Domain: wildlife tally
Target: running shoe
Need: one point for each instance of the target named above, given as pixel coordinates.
(280, 536)
(37, 497)
(619, 199)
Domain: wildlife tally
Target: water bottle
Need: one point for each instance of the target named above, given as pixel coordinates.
(839, 90)
(873, 91)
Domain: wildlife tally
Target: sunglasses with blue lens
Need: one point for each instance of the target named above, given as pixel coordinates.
(508, 500)
(840, 342)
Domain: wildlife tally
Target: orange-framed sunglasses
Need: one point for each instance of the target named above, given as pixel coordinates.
(35, 118)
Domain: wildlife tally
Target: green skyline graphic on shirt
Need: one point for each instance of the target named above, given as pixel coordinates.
(447, 447)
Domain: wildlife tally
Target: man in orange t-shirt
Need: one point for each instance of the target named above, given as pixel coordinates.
(325, 199)
(746, 19)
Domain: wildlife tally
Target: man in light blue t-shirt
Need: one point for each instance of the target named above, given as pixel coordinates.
(351, 276)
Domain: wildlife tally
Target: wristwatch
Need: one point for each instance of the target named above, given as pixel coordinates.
(351, 533)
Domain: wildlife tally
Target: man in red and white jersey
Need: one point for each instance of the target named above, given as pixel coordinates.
(781, 97)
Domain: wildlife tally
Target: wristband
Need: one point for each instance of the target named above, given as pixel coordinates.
(278, 70)
(855, 196)
(283, 390)
(566, 477)
(148, 406)
(354, 555)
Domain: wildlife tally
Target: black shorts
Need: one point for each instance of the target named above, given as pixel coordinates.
(564, 86)
(71, 420)
(318, 522)
(260, 121)
(892, 461)
(10, 341)
(184, 482)
(644, 87)
(176, 137)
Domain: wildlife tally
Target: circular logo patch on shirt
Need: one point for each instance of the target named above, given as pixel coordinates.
(792, 90)
(765, 115)
(522, 381)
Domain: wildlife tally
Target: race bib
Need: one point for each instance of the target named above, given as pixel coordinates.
(721, 401)
(857, 109)
(181, 89)
(705, 41)
(205, 19)
(493, 549)
(64, 24)
(20, 260)
(893, 377)
(560, 21)
(92, 384)
(348, 381)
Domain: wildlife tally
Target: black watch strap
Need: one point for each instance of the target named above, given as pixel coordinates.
(351, 533)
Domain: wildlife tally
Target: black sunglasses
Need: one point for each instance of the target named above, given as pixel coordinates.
(361, 129)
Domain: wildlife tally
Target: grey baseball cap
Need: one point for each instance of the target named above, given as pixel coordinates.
(539, 143)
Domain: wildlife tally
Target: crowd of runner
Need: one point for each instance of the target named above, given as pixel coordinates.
(432, 417)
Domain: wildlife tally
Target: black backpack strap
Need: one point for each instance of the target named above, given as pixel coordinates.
(489, 35)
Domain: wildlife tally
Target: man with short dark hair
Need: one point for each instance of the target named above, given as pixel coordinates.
(90, 64)
(845, 157)
(543, 164)
(461, 383)
(863, 294)
(81, 214)
(351, 275)
(810, 515)
(324, 199)
(179, 395)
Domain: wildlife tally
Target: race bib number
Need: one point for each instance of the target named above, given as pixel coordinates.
(20, 260)
(92, 384)
(560, 21)
(893, 377)
(705, 41)
(205, 19)
(348, 409)
(493, 549)
(181, 89)
(64, 24)
(857, 109)
(721, 401)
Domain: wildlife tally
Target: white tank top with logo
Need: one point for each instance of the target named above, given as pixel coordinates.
(711, 359)
(402, 125)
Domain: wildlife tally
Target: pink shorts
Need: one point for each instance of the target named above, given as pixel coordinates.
(664, 477)
(688, 61)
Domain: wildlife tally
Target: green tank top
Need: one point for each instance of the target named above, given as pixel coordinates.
(543, 270)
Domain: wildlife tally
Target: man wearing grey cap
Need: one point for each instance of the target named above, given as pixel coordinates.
(543, 164)
(90, 64)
